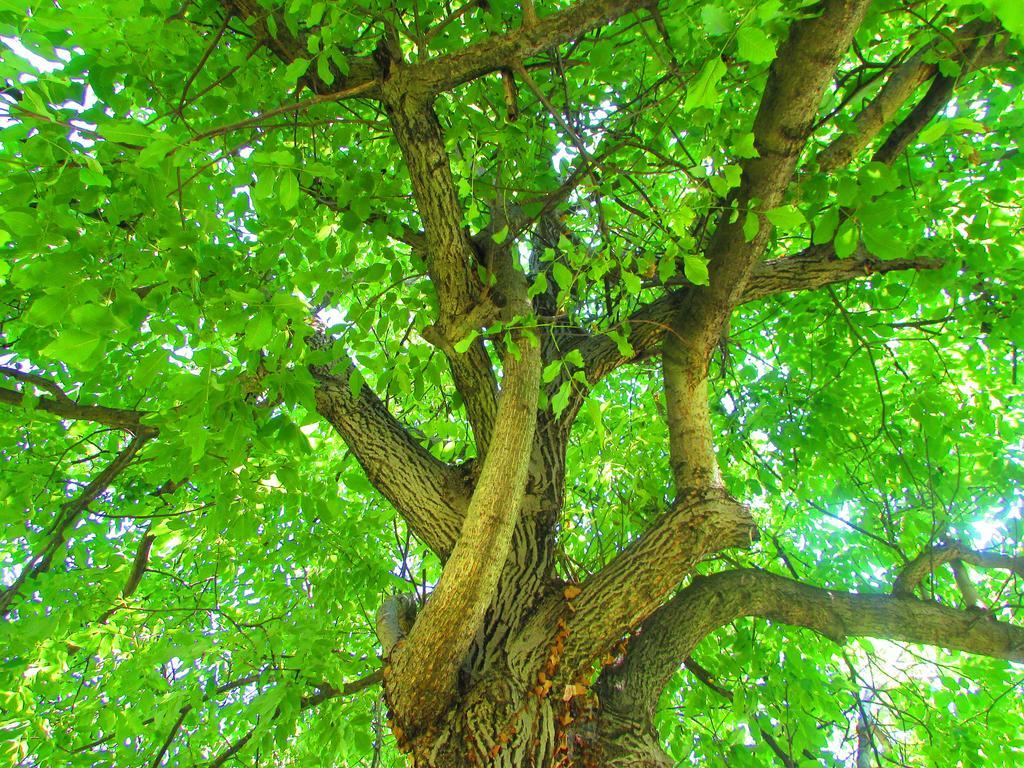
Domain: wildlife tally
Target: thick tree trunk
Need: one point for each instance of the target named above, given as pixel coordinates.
(507, 716)
(499, 725)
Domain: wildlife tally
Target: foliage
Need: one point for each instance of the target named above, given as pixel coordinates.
(184, 214)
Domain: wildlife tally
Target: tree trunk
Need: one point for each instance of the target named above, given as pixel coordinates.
(498, 725)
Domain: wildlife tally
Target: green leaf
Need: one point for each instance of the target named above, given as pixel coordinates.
(716, 20)
(288, 190)
(696, 269)
(259, 330)
(622, 344)
(463, 344)
(1011, 13)
(75, 347)
(501, 235)
(751, 226)
(563, 277)
(539, 286)
(155, 152)
(825, 227)
(513, 348)
(93, 177)
(786, 217)
(575, 357)
(324, 70)
(560, 400)
(632, 282)
(375, 273)
(127, 133)
(296, 69)
(666, 267)
(551, 371)
(355, 383)
(96, 317)
(47, 310)
(846, 239)
(933, 132)
(882, 241)
(743, 145)
(703, 90)
(754, 46)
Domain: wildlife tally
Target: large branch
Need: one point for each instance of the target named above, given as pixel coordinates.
(452, 259)
(430, 495)
(793, 93)
(978, 52)
(808, 270)
(817, 267)
(63, 406)
(673, 632)
(785, 117)
(901, 85)
(423, 675)
(621, 595)
(925, 563)
(407, 91)
(506, 51)
(441, 73)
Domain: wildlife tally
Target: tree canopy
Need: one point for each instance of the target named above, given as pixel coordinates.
(571, 383)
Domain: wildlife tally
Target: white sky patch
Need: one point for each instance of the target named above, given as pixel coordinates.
(38, 62)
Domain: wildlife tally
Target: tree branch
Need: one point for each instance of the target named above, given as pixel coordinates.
(63, 406)
(673, 632)
(797, 80)
(430, 495)
(808, 270)
(920, 567)
(704, 518)
(621, 595)
(452, 258)
(138, 570)
(443, 73)
(363, 71)
(977, 51)
(422, 681)
(328, 691)
(901, 85)
(785, 117)
(817, 267)
(69, 514)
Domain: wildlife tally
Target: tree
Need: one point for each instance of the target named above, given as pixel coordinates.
(597, 383)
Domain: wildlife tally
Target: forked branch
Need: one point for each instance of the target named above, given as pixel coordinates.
(935, 557)
(808, 270)
(897, 90)
(673, 632)
(704, 518)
